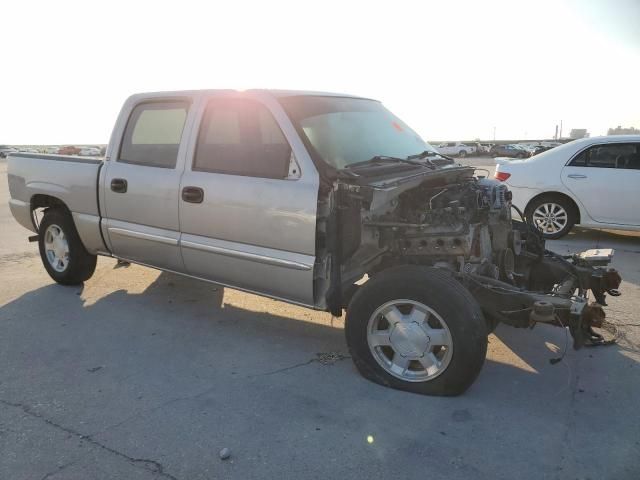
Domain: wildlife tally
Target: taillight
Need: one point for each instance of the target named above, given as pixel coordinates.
(502, 176)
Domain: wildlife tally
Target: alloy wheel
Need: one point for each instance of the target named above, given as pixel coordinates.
(56, 248)
(409, 340)
(550, 218)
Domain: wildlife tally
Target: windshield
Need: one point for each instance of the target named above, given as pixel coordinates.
(343, 130)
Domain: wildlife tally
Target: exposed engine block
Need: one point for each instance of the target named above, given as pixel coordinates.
(466, 225)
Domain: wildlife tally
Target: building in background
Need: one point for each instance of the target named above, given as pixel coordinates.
(578, 133)
(623, 131)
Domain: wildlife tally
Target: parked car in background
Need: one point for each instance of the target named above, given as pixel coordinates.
(90, 152)
(69, 150)
(5, 150)
(456, 149)
(539, 149)
(530, 148)
(484, 148)
(511, 151)
(591, 182)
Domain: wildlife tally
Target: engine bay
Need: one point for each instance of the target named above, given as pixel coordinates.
(466, 225)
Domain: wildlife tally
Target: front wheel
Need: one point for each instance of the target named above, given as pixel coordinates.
(462, 154)
(417, 329)
(61, 250)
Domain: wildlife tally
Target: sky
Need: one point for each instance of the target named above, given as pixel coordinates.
(450, 69)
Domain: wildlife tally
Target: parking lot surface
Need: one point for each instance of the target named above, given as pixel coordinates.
(140, 375)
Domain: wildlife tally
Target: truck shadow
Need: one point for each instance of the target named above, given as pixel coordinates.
(188, 323)
(178, 358)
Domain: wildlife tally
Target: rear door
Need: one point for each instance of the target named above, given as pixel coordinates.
(248, 206)
(141, 184)
(606, 180)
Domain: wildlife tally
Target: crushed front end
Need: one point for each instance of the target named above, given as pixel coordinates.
(451, 219)
(549, 288)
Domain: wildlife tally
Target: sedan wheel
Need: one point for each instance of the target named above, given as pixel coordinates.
(550, 218)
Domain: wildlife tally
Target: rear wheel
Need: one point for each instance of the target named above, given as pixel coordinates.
(553, 215)
(61, 250)
(462, 154)
(417, 329)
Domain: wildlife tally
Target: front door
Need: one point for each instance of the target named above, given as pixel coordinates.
(141, 186)
(248, 212)
(606, 180)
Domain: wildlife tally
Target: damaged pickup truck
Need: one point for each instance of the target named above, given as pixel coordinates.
(322, 200)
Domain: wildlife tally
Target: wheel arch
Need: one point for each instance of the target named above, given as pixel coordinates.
(87, 225)
(41, 200)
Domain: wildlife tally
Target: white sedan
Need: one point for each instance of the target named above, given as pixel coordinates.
(591, 182)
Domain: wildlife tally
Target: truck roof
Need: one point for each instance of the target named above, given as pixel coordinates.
(272, 92)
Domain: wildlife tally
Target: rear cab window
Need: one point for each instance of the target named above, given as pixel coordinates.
(153, 133)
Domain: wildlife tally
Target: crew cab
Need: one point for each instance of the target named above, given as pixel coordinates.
(322, 200)
(456, 149)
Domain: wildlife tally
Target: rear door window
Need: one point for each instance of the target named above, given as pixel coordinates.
(615, 155)
(153, 134)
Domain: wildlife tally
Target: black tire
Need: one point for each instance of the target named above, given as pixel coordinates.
(81, 264)
(568, 205)
(438, 290)
(492, 323)
(462, 154)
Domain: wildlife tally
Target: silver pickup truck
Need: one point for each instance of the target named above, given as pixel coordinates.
(322, 200)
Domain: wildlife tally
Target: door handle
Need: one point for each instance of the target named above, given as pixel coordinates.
(193, 194)
(119, 185)
(575, 175)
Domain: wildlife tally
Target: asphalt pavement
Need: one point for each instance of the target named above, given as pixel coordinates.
(142, 375)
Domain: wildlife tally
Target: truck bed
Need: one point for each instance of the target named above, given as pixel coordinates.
(71, 179)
